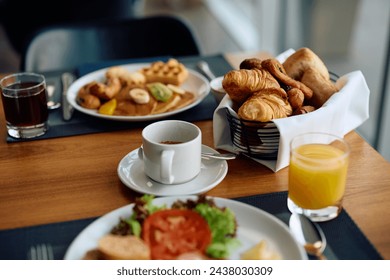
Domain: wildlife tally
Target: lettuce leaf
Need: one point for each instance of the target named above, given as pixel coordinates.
(222, 223)
(143, 208)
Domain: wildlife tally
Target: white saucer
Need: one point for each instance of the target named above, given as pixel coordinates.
(131, 173)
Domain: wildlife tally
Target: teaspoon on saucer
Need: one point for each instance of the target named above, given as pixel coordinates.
(209, 155)
(226, 156)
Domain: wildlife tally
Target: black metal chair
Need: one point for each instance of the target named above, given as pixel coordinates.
(68, 45)
(20, 18)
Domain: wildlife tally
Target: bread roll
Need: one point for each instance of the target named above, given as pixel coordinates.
(251, 63)
(322, 88)
(304, 58)
(303, 110)
(295, 97)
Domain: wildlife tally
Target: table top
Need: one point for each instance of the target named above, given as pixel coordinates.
(69, 178)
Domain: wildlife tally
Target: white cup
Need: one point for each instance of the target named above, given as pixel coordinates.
(171, 151)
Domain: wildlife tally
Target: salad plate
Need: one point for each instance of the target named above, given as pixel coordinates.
(131, 173)
(195, 83)
(253, 226)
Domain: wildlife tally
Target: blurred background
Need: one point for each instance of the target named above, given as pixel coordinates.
(348, 35)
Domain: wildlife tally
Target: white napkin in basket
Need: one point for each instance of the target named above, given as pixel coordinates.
(342, 113)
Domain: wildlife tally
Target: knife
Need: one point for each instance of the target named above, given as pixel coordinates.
(67, 110)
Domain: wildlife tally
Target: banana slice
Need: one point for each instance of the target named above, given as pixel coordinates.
(176, 89)
(139, 95)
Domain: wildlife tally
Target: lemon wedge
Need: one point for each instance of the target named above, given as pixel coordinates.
(108, 108)
(261, 251)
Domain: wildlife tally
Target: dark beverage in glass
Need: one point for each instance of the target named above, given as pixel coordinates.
(25, 104)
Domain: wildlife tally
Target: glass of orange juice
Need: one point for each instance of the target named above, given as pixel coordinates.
(317, 175)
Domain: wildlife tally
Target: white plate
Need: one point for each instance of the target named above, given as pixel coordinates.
(196, 84)
(254, 225)
(131, 173)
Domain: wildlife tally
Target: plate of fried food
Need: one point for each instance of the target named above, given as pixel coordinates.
(138, 92)
(186, 227)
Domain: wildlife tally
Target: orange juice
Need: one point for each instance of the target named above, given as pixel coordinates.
(317, 175)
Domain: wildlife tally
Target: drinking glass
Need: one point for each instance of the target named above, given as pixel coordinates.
(25, 104)
(317, 175)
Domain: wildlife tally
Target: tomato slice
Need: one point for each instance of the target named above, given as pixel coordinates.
(172, 232)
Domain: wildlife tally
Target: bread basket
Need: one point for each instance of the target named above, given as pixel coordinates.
(268, 143)
(255, 139)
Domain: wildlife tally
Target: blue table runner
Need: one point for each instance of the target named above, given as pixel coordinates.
(345, 241)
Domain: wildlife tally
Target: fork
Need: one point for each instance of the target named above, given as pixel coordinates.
(41, 252)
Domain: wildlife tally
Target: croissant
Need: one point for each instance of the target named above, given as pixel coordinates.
(240, 84)
(304, 58)
(278, 71)
(322, 88)
(265, 105)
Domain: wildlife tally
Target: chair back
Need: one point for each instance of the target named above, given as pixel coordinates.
(21, 18)
(68, 45)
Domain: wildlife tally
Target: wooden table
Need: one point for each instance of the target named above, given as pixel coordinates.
(70, 178)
